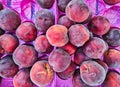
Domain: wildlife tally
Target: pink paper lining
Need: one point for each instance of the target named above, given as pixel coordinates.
(28, 8)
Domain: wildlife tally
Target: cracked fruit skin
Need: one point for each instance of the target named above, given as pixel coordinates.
(41, 73)
(92, 73)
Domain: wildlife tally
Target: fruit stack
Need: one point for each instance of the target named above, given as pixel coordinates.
(67, 42)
